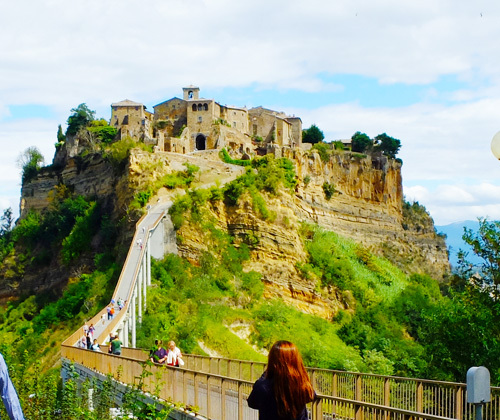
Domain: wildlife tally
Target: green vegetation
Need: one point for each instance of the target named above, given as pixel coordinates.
(416, 217)
(324, 151)
(30, 161)
(177, 179)
(81, 116)
(360, 142)
(312, 135)
(389, 146)
(328, 189)
(228, 159)
(104, 132)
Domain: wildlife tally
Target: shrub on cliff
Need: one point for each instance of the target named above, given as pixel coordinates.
(81, 116)
(30, 161)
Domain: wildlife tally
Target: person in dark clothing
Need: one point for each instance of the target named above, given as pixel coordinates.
(159, 355)
(284, 389)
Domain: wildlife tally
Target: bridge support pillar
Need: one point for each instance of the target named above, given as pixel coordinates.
(148, 261)
(133, 320)
(144, 282)
(138, 286)
(125, 331)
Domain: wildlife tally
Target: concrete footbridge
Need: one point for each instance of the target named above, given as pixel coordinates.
(217, 388)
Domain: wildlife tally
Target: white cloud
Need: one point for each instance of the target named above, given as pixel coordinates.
(451, 203)
(60, 54)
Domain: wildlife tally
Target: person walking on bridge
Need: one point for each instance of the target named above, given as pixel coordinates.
(9, 394)
(115, 346)
(284, 389)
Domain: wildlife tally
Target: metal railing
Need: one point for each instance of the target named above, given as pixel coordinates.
(216, 396)
(439, 398)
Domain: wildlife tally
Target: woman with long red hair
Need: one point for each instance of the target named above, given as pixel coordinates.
(284, 389)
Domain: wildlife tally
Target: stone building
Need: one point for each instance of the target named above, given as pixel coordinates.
(194, 124)
(132, 119)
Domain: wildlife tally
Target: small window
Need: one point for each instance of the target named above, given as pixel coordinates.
(234, 124)
(200, 119)
(200, 107)
(194, 107)
(137, 108)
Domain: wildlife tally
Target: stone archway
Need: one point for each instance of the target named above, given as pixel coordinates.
(201, 142)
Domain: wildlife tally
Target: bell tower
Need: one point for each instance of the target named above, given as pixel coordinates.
(191, 93)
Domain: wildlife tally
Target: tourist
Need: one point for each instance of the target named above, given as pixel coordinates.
(9, 394)
(82, 343)
(159, 355)
(284, 389)
(115, 346)
(95, 346)
(174, 355)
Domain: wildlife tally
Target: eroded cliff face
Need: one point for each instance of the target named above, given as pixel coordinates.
(366, 205)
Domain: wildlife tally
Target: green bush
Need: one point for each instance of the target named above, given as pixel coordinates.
(228, 159)
(103, 130)
(78, 241)
(329, 190)
(117, 153)
(323, 150)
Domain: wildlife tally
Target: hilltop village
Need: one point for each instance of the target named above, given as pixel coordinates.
(195, 124)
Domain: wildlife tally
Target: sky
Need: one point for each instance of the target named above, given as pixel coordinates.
(424, 72)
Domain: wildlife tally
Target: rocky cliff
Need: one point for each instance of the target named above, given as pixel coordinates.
(365, 204)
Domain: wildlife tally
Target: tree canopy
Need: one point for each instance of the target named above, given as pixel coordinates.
(81, 116)
(30, 161)
(388, 145)
(360, 142)
(312, 135)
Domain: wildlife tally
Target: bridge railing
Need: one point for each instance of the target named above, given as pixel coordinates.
(437, 398)
(216, 396)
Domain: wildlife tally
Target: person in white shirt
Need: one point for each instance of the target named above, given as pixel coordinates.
(174, 355)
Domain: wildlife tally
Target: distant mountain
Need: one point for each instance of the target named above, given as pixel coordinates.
(454, 241)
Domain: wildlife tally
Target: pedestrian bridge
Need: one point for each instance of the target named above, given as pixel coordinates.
(217, 388)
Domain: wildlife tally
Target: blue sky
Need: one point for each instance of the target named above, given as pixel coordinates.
(423, 72)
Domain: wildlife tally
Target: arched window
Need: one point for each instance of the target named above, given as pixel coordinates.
(205, 107)
(190, 94)
(194, 107)
(200, 106)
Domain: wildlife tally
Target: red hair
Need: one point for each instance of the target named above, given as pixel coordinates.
(291, 384)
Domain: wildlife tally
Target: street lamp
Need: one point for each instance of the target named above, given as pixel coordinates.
(495, 145)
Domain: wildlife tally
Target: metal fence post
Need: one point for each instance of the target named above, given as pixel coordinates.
(359, 397)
